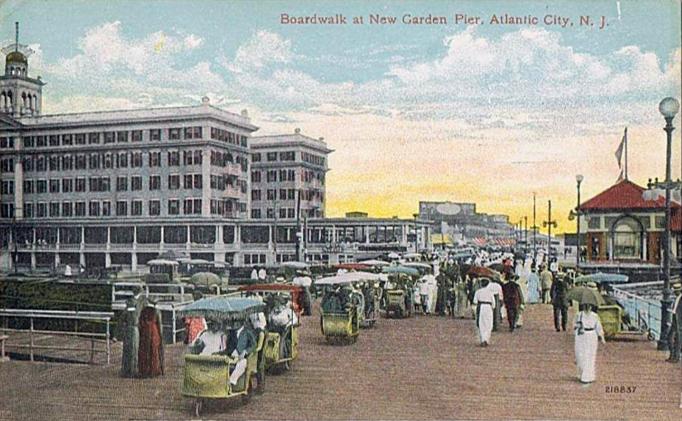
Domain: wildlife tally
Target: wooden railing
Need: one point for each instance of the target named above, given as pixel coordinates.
(86, 316)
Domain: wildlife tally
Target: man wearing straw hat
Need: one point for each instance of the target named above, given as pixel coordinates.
(676, 326)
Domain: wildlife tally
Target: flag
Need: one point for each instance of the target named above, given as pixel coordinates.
(621, 147)
(620, 177)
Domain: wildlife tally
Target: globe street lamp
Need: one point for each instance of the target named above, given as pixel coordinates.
(668, 108)
(579, 179)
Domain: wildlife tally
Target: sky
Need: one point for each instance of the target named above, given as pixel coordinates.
(485, 113)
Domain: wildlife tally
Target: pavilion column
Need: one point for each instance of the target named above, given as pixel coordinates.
(161, 240)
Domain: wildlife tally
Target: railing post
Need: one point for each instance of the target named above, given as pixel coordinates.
(109, 343)
(30, 335)
(174, 326)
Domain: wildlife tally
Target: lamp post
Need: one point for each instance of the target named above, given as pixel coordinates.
(535, 232)
(579, 179)
(549, 223)
(668, 108)
(416, 236)
(525, 235)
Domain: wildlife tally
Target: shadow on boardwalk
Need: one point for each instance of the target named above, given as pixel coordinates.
(420, 368)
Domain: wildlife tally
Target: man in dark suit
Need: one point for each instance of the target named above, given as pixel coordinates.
(559, 295)
(511, 291)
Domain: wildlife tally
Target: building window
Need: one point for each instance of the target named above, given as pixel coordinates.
(94, 161)
(41, 164)
(109, 137)
(107, 161)
(255, 157)
(136, 183)
(67, 185)
(282, 194)
(121, 208)
(136, 208)
(174, 134)
(271, 156)
(287, 156)
(94, 208)
(81, 162)
(106, 208)
(136, 159)
(255, 194)
(122, 160)
(93, 138)
(121, 136)
(80, 185)
(53, 163)
(173, 207)
(67, 162)
(67, 209)
(173, 158)
(154, 182)
(28, 186)
(188, 181)
(154, 159)
(270, 213)
(173, 181)
(255, 213)
(80, 139)
(41, 186)
(198, 184)
(136, 135)
(271, 194)
(271, 176)
(7, 187)
(121, 183)
(54, 186)
(155, 135)
(41, 210)
(80, 209)
(154, 208)
(255, 176)
(193, 133)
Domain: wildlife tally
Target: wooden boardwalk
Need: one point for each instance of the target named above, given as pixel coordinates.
(421, 368)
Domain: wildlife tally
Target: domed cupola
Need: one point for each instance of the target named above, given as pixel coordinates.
(20, 95)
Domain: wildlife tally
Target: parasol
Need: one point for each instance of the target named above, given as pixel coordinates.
(205, 279)
(483, 272)
(400, 269)
(375, 263)
(295, 265)
(223, 308)
(585, 295)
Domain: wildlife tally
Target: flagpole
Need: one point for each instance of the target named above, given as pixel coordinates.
(626, 152)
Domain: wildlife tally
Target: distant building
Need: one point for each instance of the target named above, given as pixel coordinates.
(461, 222)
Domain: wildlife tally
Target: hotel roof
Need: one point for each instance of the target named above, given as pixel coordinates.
(137, 115)
(288, 139)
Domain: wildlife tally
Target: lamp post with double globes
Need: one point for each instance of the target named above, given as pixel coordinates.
(579, 179)
(668, 108)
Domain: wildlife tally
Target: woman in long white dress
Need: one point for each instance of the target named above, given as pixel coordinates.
(588, 333)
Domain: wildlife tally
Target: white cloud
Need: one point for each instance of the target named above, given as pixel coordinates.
(110, 64)
(262, 49)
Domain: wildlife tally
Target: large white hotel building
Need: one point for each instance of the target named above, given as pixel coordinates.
(120, 187)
